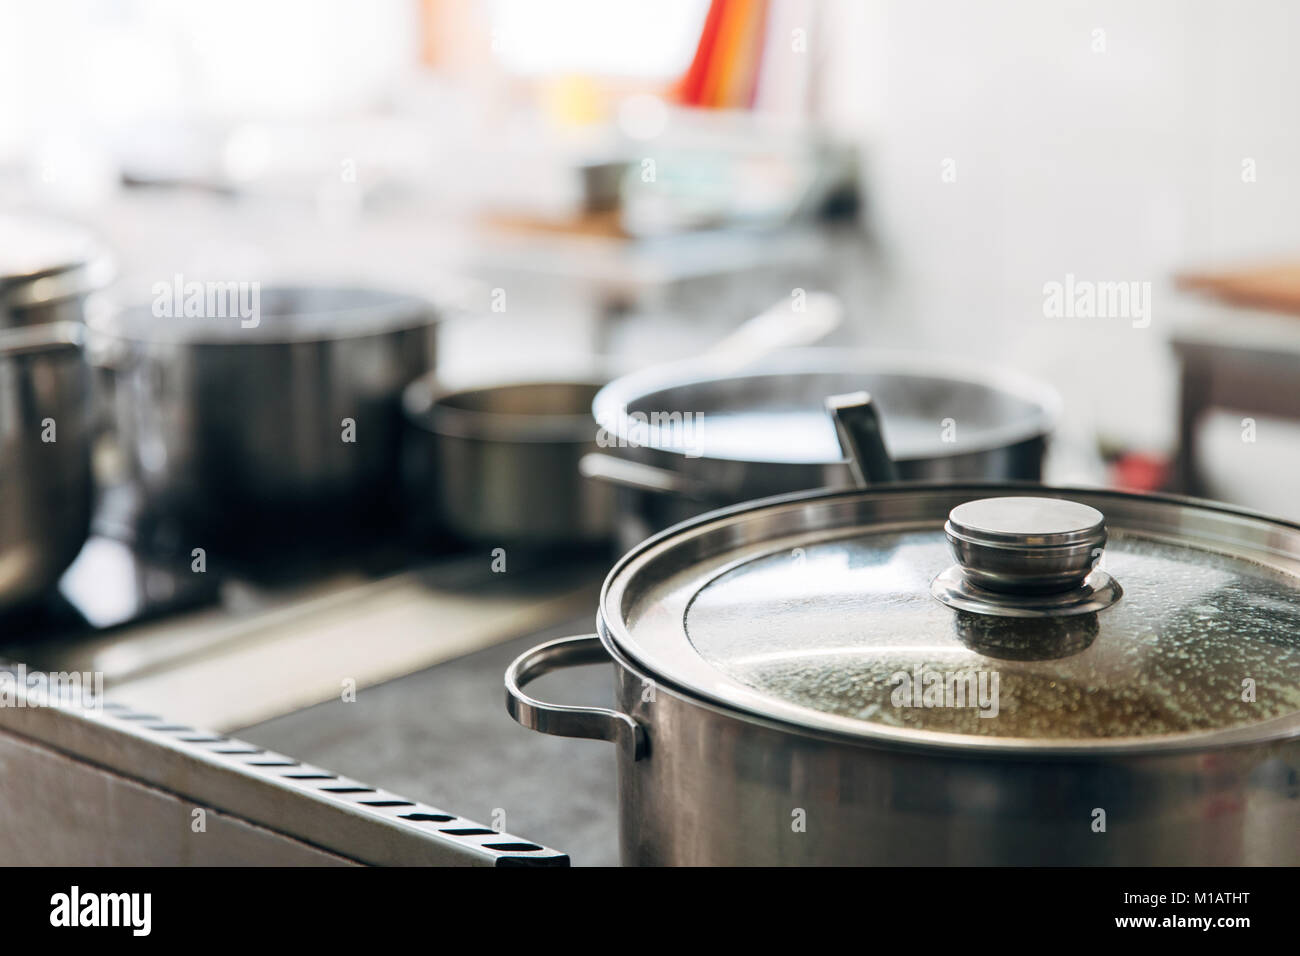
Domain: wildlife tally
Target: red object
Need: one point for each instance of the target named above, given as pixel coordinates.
(692, 85)
(1138, 471)
(724, 71)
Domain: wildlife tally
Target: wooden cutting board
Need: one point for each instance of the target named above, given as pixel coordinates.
(1271, 287)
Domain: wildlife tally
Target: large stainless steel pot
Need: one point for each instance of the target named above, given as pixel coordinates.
(682, 439)
(498, 464)
(791, 680)
(241, 431)
(48, 269)
(45, 439)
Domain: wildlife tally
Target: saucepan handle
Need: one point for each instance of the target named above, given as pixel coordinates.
(857, 424)
(596, 723)
(640, 476)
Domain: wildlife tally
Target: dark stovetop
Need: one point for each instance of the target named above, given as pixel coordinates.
(442, 736)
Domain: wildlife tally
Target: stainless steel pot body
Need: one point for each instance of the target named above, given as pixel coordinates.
(699, 785)
(72, 309)
(715, 789)
(707, 483)
(45, 441)
(705, 784)
(499, 464)
(240, 435)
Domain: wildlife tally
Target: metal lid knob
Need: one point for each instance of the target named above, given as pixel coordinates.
(1025, 545)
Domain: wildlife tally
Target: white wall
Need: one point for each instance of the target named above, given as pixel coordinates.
(105, 62)
(1117, 165)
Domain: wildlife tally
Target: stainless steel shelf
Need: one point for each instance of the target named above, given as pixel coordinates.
(107, 785)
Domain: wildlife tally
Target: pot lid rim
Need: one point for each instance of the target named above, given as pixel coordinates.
(769, 708)
(609, 406)
(76, 262)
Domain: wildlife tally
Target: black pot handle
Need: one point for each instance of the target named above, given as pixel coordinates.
(857, 423)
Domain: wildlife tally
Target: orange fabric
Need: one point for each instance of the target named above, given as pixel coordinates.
(693, 82)
(724, 71)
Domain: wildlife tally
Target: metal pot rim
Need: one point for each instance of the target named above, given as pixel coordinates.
(609, 408)
(793, 718)
(81, 267)
(42, 338)
(430, 409)
(388, 312)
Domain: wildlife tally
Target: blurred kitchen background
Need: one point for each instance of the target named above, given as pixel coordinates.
(935, 163)
(586, 187)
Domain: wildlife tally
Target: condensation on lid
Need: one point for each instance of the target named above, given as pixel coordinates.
(850, 628)
(840, 624)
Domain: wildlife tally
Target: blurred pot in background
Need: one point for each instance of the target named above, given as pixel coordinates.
(499, 464)
(48, 269)
(684, 438)
(45, 440)
(281, 418)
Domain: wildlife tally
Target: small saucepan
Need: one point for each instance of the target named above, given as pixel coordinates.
(498, 464)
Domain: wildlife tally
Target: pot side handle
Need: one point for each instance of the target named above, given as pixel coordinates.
(595, 723)
(640, 476)
(857, 423)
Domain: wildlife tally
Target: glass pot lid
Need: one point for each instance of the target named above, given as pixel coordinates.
(977, 616)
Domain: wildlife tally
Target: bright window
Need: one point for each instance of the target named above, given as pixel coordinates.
(636, 38)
